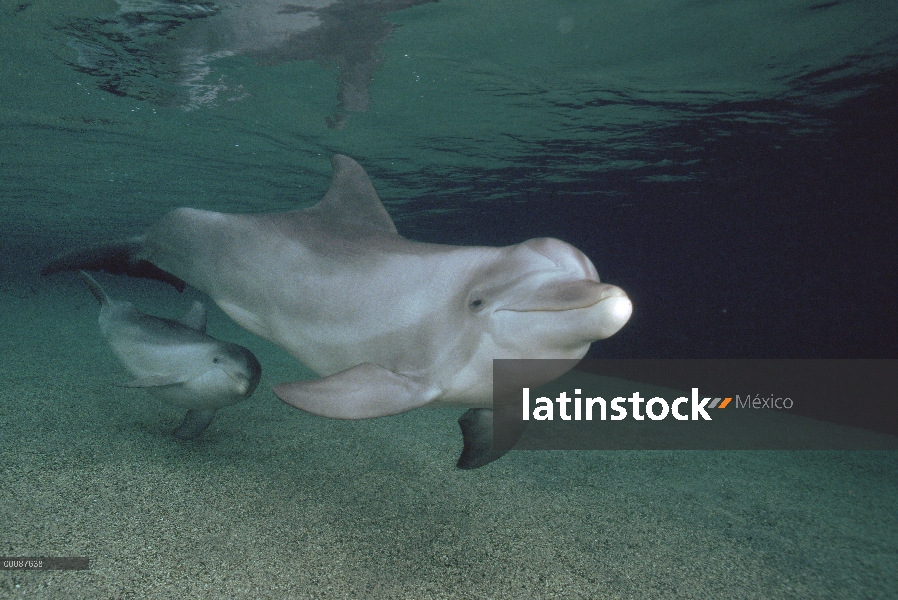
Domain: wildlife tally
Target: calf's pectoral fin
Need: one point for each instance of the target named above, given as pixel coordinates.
(360, 392)
(194, 424)
(154, 381)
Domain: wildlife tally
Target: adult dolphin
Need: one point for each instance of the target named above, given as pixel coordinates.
(176, 361)
(390, 324)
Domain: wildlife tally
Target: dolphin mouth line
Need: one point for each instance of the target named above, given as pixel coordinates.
(566, 309)
(556, 310)
(242, 385)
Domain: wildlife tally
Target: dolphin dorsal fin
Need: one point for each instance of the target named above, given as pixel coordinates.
(94, 288)
(195, 318)
(351, 197)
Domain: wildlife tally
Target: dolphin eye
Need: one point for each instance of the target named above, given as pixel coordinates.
(476, 303)
(216, 359)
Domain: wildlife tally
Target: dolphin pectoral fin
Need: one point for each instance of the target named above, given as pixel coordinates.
(153, 381)
(119, 259)
(361, 392)
(194, 424)
(477, 431)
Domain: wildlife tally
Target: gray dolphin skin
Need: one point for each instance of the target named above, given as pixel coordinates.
(176, 361)
(388, 323)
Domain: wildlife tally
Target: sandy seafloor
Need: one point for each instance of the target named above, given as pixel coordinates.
(275, 503)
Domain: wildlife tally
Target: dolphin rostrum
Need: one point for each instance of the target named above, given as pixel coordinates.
(176, 361)
(390, 324)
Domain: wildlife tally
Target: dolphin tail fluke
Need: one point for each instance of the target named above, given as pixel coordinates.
(477, 430)
(194, 424)
(119, 259)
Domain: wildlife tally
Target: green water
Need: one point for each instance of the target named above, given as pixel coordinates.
(462, 85)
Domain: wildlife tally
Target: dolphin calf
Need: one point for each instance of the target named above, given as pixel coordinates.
(176, 361)
(388, 323)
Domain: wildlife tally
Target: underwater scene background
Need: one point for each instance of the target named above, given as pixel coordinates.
(731, 165)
